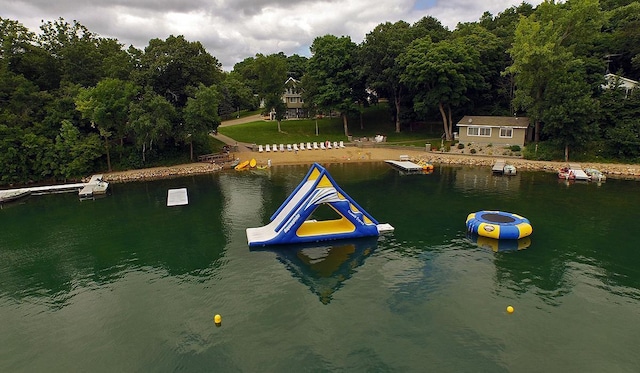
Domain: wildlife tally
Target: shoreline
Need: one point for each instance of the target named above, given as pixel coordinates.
(352, 154)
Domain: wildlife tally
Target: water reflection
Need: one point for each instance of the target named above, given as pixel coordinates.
(499, 245)
(325, 266)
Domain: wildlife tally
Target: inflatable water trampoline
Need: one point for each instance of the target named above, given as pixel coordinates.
(499, 225)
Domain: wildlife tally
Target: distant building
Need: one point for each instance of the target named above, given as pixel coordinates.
(613, 80)
(292, 98)
(493, 130)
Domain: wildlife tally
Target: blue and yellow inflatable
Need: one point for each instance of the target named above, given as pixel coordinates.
(499, 225)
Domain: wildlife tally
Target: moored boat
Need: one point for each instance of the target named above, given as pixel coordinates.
(595, 175)
(509, 169)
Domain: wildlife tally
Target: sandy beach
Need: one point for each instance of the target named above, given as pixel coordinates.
(364, 154)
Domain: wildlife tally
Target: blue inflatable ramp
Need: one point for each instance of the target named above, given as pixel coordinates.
(289, 223)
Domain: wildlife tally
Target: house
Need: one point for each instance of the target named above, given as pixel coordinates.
(613, 80)
(493, 130)
(292, 98)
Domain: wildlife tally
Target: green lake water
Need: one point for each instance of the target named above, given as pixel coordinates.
(126, 284)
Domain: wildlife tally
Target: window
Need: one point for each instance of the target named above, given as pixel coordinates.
(479, 131)
(506, 132)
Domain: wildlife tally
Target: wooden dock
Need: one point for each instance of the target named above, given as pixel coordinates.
(215, 158)
(498, 167)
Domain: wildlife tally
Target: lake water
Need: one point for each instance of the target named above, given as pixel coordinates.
(125, 283)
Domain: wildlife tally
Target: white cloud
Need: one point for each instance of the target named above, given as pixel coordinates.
(232, 30)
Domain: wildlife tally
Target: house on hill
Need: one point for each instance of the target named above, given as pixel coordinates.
(493, 130)
(613, 80)
(292, 98)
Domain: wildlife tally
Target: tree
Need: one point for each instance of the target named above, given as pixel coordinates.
(201, 114)
(74, 49)
(271, 72)
(379, 53)
(333, 81)
(440, 74)
(619, 122)
(76, 153)
(151, 119)
(279, 109)
(175, 67)
(234, 95)
(543, 49)
(570, 119)
(106, 106)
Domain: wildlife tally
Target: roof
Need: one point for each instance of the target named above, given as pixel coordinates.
(612, 79)
(489, 121)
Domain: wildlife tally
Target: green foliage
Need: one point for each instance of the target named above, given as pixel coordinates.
(515, 148)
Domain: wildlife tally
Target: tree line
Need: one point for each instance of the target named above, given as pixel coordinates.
(72, 102)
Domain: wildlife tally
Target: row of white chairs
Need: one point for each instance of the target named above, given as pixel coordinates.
(302, 146)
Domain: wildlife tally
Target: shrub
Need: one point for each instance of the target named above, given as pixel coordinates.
(472, 151)
(515, 148)
(461, 146)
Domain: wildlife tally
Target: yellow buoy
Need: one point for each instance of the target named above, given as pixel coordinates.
(217, 319)
(509, 309)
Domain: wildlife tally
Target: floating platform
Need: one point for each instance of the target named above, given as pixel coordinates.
(289, 223)
(406, 166)
(95, 186)
(177, 197)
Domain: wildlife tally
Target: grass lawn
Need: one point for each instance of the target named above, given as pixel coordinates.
(375, 120)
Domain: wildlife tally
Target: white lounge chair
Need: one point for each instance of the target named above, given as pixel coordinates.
(322, 146)
(281, 147)
(309, 146)
(328, 144)
(289, 148)
(267, 148)
(295, 147)
(335, 145)
(342, 144)
(315, 145)
(275, 148)
(260, 150)
(301, 146)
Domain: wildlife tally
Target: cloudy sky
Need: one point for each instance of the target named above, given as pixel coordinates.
(232, 30)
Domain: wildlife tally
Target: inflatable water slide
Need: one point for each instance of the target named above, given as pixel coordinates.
(291, 223)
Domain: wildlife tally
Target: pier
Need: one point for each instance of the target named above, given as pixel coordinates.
(406, 166)
(95, 186)
(498, 167)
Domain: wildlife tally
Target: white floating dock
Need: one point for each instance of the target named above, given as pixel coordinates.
(405, 165)
(94, 187)
(578, 172)
(177, 197)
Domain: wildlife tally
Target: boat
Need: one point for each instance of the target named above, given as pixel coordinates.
(595, 175)
(252, 163)
(242, 165)
(426, 166)
(499, 225)
(566, 173)
(509, 169)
